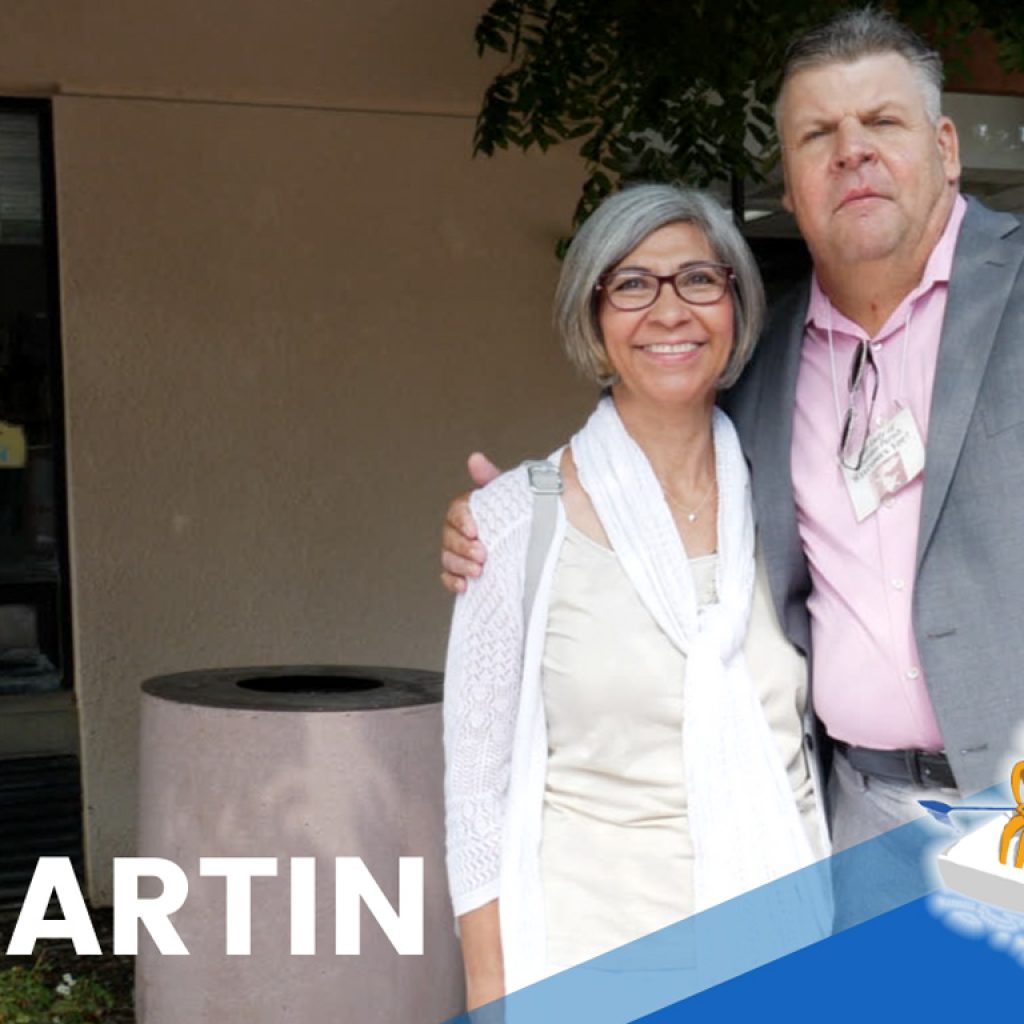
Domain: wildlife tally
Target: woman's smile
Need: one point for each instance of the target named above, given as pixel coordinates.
(672, 348)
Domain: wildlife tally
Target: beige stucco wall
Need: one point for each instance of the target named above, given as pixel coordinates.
(291, 303)
(403, 55)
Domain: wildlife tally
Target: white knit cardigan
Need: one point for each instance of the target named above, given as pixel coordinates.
(495, 733)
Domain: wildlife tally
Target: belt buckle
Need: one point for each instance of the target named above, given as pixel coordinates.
(931, 770)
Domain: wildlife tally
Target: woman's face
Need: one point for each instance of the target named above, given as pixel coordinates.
(672, 352)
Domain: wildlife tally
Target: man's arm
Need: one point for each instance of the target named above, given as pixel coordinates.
(462, 554)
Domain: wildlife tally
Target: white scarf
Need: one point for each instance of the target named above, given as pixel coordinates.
(744, 822)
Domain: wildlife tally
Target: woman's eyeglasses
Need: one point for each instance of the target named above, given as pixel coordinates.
(699, 284)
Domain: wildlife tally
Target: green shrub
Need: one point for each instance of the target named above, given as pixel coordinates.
(27, 998)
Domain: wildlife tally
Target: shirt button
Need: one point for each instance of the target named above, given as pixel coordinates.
(888, 502)
(913, 673)
(876, 346)
(897, 584)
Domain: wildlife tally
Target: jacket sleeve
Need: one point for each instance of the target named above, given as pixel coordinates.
(481, 693)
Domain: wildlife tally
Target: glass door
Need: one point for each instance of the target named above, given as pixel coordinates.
(34, 648)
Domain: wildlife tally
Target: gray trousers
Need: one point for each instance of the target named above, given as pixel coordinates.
(883, 842)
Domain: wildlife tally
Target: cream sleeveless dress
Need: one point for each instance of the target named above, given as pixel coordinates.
(616, 856)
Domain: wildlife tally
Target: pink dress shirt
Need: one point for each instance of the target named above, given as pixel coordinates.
(869, 689)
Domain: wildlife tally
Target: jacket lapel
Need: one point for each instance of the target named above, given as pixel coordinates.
(984, 269)
(769, 449)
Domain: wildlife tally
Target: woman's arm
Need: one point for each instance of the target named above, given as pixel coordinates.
(481, 955)
(481, 702)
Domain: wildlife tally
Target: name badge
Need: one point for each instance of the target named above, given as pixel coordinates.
(893, 457)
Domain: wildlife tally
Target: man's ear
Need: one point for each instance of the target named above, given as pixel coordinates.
(949, 147)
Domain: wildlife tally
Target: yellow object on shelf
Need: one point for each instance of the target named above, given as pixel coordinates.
(12, 446)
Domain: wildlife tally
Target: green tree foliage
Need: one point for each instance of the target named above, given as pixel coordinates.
(672, 91)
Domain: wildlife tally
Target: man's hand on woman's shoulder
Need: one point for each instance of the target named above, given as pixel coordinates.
(462, 554)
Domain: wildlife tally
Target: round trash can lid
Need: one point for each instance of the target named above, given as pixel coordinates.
(300, 687)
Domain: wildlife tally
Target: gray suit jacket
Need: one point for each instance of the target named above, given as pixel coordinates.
(968, 611)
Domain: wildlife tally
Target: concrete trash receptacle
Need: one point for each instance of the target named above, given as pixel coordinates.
(295, 762)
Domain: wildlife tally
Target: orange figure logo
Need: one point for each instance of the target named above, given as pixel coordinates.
(1015, 826)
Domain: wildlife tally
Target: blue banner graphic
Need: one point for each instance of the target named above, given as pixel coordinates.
(890, 947)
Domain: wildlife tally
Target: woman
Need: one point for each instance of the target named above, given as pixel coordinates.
(599, 755)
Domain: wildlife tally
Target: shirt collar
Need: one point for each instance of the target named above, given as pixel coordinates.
(821, 313)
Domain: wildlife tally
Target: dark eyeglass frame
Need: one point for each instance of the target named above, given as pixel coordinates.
(863, 360)
(662, 279)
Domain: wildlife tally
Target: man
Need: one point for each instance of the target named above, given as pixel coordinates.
(883, 416)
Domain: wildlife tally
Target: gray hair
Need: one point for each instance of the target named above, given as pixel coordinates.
(865, 32)
(614, 230)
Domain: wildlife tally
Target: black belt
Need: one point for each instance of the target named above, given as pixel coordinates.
(918, 767)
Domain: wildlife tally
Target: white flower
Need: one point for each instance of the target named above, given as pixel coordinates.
(67, 983)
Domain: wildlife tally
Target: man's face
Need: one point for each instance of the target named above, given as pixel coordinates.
(868, 175)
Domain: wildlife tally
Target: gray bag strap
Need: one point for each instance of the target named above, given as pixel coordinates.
(546, 484)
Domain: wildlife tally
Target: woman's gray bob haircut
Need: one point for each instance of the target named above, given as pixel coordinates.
(865, 32)
(617, 227)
